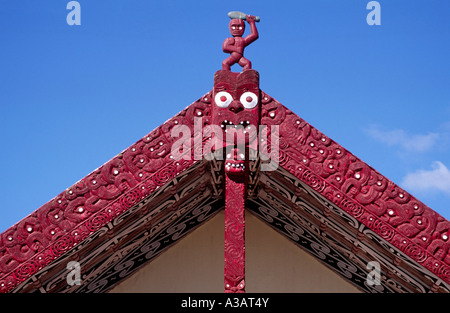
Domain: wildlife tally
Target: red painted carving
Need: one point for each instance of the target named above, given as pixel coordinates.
(235, 191)
(305, 152)
(235, 45)
(94, 201)
(361, 191)
(236, 109)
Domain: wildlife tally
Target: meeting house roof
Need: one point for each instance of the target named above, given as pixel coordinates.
(294, 178)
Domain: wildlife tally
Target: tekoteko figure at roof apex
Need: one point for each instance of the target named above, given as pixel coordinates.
(235, 45)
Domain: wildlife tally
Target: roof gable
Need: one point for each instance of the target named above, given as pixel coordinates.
(144, 196)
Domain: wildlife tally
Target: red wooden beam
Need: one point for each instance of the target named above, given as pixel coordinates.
(235, 191)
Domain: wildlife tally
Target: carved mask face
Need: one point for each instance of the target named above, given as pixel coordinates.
(237, 27)
(236, 109)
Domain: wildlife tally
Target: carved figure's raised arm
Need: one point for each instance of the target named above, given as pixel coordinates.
(253, 31)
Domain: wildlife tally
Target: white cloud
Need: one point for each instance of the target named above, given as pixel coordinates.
(436, 179)
(398, 137)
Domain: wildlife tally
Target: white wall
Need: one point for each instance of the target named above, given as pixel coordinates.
(273, 264)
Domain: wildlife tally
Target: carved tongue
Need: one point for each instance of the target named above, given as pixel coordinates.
(235, 134)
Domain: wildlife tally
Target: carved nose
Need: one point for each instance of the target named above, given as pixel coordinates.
(236, 106)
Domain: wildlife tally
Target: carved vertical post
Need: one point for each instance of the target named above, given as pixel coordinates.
(236, 109)
(235, 191)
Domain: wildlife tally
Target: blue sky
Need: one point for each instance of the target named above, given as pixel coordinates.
(72, 97)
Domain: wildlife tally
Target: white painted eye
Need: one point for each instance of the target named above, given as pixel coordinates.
(249, 100)
(223, 99)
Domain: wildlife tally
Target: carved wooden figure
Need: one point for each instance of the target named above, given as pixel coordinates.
(236, 108)
(235, 45)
